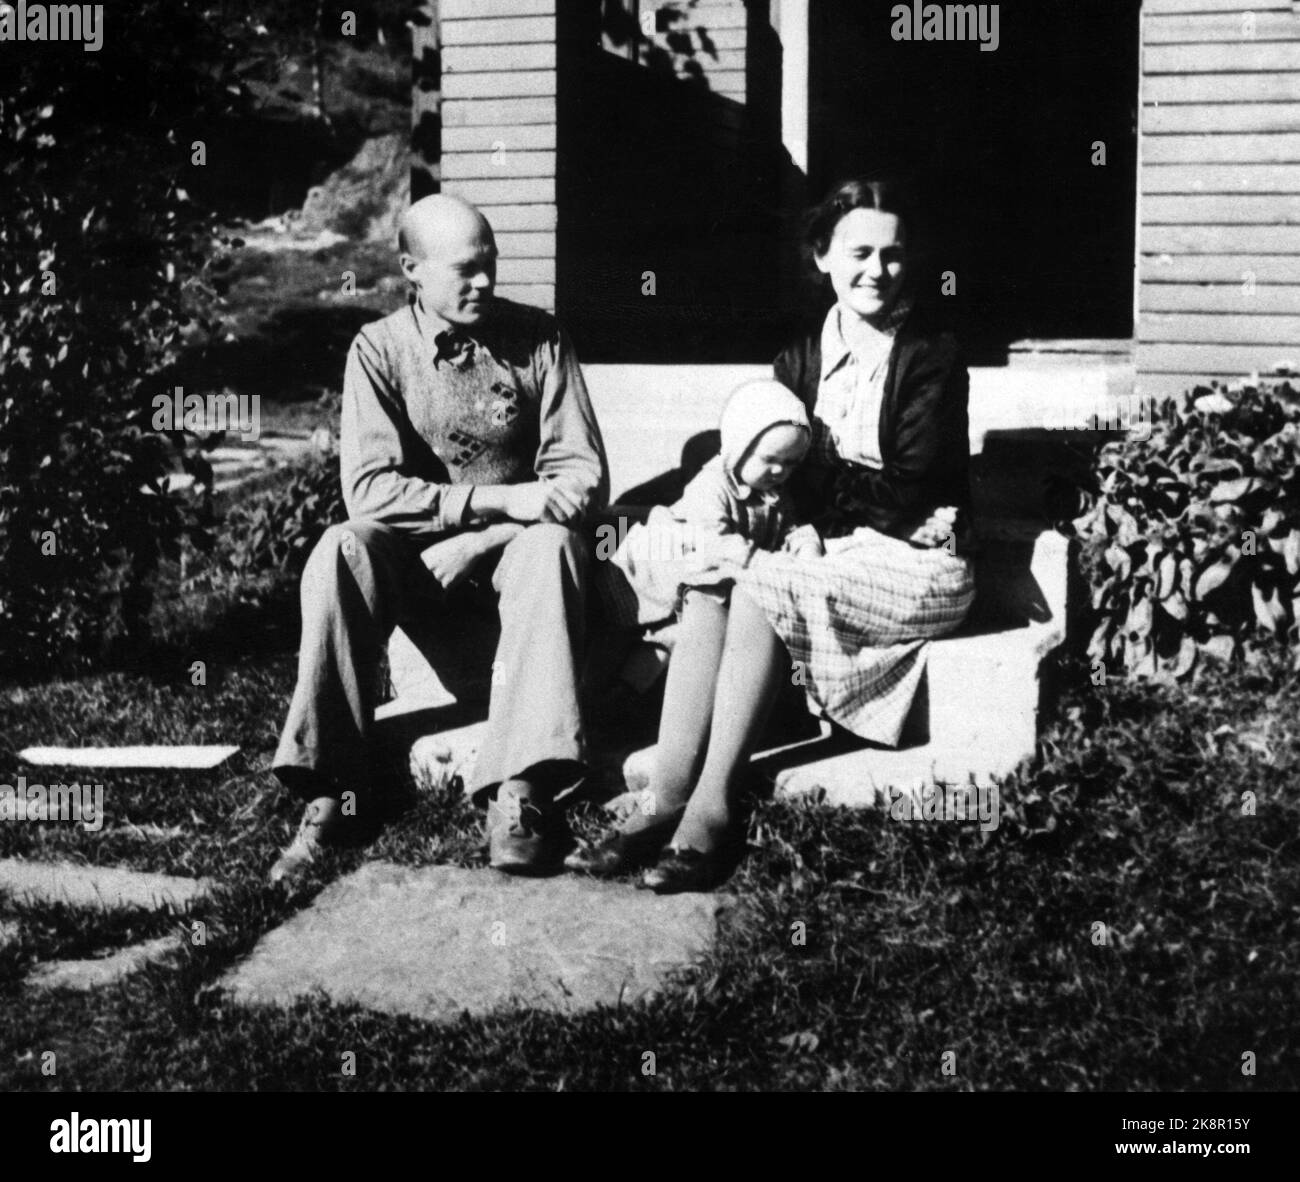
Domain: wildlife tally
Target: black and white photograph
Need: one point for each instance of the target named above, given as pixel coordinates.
(608, 546)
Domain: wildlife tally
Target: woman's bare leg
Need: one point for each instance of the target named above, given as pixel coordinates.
(749, 674)
(688, 705)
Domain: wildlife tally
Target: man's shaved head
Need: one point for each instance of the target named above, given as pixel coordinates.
(437, 222)
(450, 257)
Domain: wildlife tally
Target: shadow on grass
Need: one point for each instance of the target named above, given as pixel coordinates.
(296, 353)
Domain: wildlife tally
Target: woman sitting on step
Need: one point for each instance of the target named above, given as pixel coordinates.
(886, 487)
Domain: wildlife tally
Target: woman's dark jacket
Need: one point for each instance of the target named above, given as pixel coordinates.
(924, 437)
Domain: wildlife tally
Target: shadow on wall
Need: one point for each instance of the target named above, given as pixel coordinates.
(673, 198)
(668, 487)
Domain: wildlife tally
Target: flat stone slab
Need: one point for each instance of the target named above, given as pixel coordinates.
(96, 886)
(438, 941)
(99, 972)
(8, 933)
(182, 758)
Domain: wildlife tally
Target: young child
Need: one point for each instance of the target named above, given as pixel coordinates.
(735, 505)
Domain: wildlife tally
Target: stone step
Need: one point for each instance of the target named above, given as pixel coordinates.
(97, 886)
(977, 714)
(976, 718)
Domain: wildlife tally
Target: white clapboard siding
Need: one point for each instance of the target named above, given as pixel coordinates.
(532, 191)
(498, 112)
(1181, 119)
(1219, 240)
(514, 30)
(499, 82)
(1221, 27)
(708, 40)
(451, 10)
(1182, 209)
(1241, 56)
(1209, 329)
(1217, 268)
(724, 61)
(513, 271)
(526, 244)
(1223, 149)
(1222, 88)
(1214, 359)
(540, 295)
(497, 163)
(528, 137)
(472, 59)
(1222, 240)
(1221, 178)
(1261, 299)
(1155, 7)
(726, 14)
(520, 217)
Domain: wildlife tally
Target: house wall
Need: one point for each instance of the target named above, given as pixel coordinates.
(669, 181)
(705, 40)
(499, 84)
(1219, 213)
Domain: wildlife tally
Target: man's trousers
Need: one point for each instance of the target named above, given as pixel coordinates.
(362, 579)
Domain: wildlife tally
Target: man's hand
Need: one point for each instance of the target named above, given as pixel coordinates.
(453, 559)
(542, 500)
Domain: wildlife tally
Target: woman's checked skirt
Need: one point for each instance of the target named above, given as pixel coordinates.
(858, 622)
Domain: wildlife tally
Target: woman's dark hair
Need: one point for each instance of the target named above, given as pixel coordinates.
(888, 194)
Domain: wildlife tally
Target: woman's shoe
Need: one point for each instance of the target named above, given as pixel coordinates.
(682, 870)
(620, 853)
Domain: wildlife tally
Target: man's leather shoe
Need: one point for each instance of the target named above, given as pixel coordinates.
(521, 835)
(318, 828)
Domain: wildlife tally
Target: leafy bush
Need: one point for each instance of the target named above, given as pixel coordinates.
(104, 276)
(1192, 546)
(275, 528)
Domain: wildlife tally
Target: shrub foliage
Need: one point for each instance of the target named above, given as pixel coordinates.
(1192, 545)
(105, 273)
(276, 530)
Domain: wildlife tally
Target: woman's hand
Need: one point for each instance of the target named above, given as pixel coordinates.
(939, 530)
(806, 542)
(715, 560)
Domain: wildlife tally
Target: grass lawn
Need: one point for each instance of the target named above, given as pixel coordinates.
(921, 938)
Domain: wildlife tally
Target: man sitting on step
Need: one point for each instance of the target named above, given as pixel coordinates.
(469, 448)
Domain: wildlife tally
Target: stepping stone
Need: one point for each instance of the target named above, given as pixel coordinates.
(95, 973)
(97, 886)
(129, 757)
(8, 933)
(437, 941)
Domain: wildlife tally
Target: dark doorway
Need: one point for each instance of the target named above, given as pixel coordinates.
(1040, 237)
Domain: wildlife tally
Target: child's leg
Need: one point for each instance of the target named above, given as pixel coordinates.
(688, 704)
(753, 660)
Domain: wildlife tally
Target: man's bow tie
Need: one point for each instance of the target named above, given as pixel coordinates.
(457, 347)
